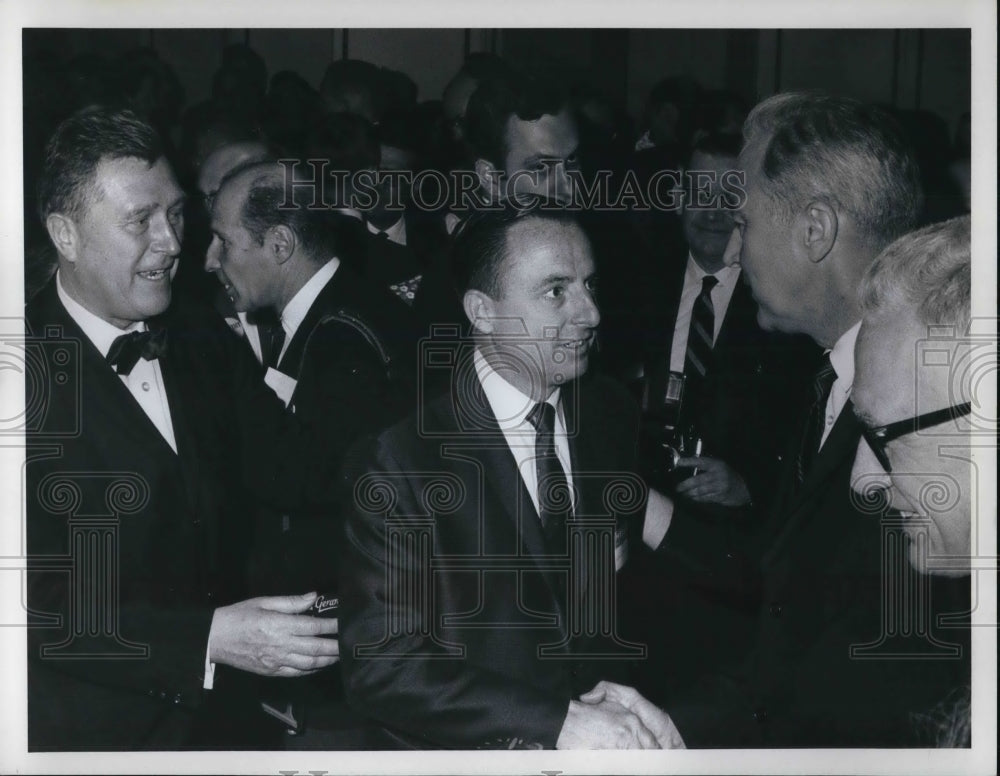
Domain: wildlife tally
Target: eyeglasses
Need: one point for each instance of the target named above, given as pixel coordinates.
(879, 438)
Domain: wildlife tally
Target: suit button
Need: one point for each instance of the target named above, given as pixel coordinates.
(730, 556)
(163, 695)
(760, 715)
(775, 609)
(177, 699)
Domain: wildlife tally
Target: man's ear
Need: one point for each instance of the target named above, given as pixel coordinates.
(280, 242)
(64, 235)
(479, 310)
(489, 178)
(819, 224)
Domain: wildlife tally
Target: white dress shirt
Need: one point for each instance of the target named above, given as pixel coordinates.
(721, 294)
(842, 361)
(511, 408)
(144, 382)
(298, 306)
(396, 233)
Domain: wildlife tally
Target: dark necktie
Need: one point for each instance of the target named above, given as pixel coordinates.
(271, 333)
(554, 498)
(127, 349)
(701, 332)
(816, 419)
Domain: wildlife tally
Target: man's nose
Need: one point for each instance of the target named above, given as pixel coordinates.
(167, 237)
(587, 313)
(564, 185)
(733, 248)
(212, 263)
(869, 480)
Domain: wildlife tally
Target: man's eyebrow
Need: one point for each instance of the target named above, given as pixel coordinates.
(549, 280)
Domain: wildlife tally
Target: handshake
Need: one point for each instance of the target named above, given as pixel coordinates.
(612, 716)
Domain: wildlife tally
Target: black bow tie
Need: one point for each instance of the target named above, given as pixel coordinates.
(127, 349)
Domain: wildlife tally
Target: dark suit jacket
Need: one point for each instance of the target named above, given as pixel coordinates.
(480, 654)
(751, 393)
(175, 525)
(827, 575)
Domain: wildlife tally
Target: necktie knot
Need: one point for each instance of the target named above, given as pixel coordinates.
(708, 283)
(543, 417)
(127, 349)
(270, 332)
(825, 377)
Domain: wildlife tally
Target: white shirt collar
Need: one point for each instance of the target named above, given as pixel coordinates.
(509, 404)
(842, 355)
(298, 306)
(726, 276)
(98, 330)
(396, 233)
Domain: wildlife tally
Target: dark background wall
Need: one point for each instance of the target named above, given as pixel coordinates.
(928, 69)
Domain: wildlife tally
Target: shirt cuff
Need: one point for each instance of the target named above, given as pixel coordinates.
(209, 672)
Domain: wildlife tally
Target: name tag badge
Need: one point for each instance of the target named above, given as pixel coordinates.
(281, 384)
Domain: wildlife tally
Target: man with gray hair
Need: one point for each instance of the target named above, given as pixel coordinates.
(912, 389)
(830, 183)
(913, 393)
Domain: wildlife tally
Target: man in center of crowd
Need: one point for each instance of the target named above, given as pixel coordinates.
(465, 608)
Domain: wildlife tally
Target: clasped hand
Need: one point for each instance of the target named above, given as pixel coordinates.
(612, 716)
(270, 636)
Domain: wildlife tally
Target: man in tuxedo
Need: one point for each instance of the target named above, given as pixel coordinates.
(141, 471)
(486, 530)
(830, 183)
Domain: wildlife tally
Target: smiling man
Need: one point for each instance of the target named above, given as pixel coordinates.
(523, 452)
(166, 422)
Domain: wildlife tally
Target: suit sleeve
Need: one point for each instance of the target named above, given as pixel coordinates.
(395, 672)
(153, 650)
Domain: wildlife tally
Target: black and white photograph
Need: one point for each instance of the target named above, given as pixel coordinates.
(424, 388)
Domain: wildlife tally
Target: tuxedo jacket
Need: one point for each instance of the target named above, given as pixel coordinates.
(458, 621)
(169, 529)
(838, 658)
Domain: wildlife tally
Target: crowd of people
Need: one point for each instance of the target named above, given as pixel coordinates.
(495, 421)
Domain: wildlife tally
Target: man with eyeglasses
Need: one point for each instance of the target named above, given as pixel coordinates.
(912, 391)
(834, 663)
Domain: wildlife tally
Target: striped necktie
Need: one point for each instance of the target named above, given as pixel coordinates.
(701, 333)
(812, 433)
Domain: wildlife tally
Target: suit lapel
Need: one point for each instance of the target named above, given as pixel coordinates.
(793, 503)
(333, 295)
(104, 393)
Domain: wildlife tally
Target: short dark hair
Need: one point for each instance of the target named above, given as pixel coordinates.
(479, 250)
(499, 97)
(717, 144)
(80, 144)
(270, 201)
(848, 153)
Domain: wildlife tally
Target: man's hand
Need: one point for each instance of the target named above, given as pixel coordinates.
(653, 718)
(603, 725)
(269, 636)
(715, 483)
